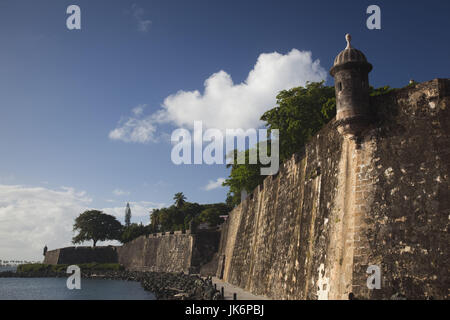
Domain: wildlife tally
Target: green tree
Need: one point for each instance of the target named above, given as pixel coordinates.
(189, 212)
(96, 226)
(242, 177)
(128, 215)
(180, 199)
(154, 220)
(300, 113)
(133, 231)
(211, 216)
(174, 218)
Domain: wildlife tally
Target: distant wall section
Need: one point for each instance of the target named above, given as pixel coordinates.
(170, 252)
(79, 255)
(160, 252)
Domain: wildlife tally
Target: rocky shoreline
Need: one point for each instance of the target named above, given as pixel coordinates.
(165, 286)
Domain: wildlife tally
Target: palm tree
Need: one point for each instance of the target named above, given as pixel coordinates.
(179, 199)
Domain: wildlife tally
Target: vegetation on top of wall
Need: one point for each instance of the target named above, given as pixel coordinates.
(381, 91)
(97, 226)
(133, 231)
(182, 213)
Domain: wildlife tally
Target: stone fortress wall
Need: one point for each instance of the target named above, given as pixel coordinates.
(79, 255)
(344, 203)
(161, 252)
(171, 252)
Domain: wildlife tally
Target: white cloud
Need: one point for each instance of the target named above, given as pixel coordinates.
(224, 104)
(119, 192)
(138, 14)
(135, 129)
(137, 111)
(31, 217)
(214, 184)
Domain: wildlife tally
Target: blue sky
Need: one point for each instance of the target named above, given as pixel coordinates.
(63, 92)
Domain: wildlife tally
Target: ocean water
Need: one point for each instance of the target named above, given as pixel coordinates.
(56, 289)
(8, 268)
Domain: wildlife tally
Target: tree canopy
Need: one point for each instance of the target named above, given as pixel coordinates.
(242, 177)
(179, 216)
(180, 199)
(133, 231)
(211, 215)
(300, 113)
(96, 226)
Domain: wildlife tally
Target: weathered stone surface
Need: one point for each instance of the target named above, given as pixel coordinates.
(344, 204)
(169, 252)
(275, 242)
(405, 225)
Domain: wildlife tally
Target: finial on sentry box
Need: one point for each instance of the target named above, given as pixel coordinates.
(348, 37)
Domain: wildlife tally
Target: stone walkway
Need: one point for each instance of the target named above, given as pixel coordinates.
(230, 289)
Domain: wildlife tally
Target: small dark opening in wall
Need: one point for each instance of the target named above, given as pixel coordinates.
(340, 86)
(351, 296)
(358, 141)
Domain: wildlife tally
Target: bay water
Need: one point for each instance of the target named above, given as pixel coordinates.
(56, 289)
